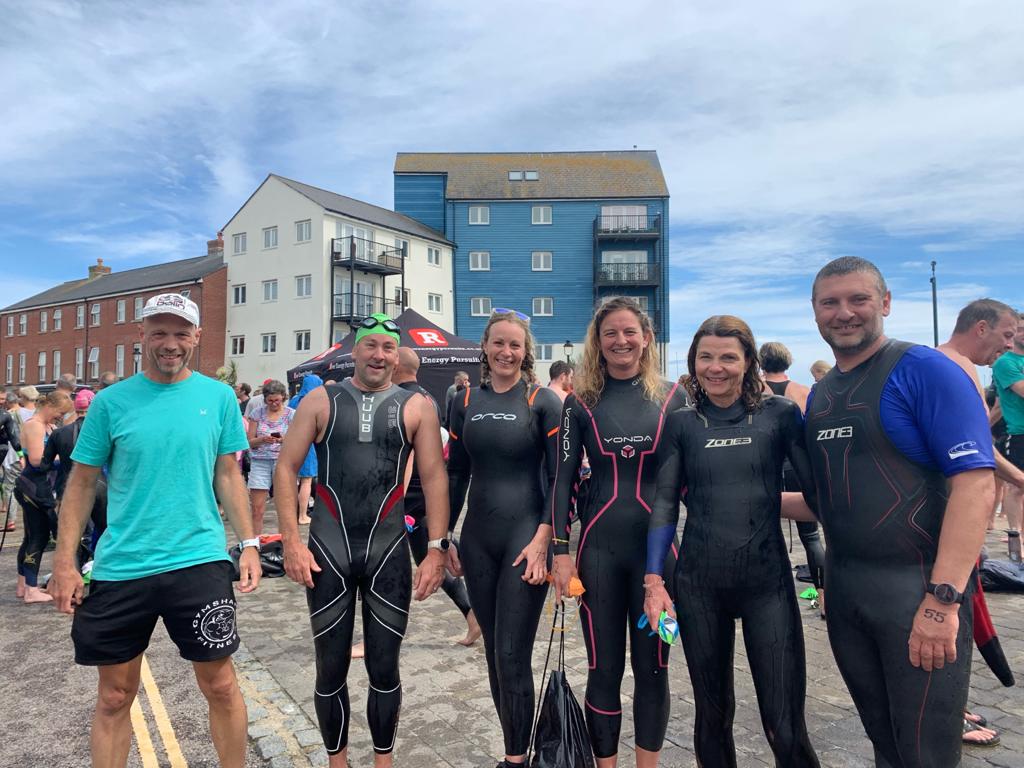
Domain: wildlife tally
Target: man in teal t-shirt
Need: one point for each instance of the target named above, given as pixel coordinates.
(1008, 375)
(168, 439)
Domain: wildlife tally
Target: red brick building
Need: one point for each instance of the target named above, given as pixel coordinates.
(90, 326)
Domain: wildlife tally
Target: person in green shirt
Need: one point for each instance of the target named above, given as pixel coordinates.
(167, 438)
(1008, 375)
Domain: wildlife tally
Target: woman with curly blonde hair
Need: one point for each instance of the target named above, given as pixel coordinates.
(726, 454)
(616, 414)
(502, 435)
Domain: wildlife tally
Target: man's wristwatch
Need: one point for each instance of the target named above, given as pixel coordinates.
(441, 544)
(946, 593)
(249, 543)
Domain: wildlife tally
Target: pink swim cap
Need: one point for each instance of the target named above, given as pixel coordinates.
(83, 399)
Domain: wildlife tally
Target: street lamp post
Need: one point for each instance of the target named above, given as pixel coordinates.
(137, 356)
(935, 308)
(567, 349)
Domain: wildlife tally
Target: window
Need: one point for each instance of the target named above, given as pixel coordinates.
(479, 214)
(641, 300)
(57, 316)
(238, 345)
(21, 368)
(80, 316)
(186, 292)
(402, 297)
(434, 256)
(10, 325)
(41, 363)
(531, 175)
(479, 261)
(541, 261)
(238, 243)
(94, 315)
(302, 341)
(22, 325)
(402, 245)
(541, 214)
(303, 231)
(119, 361)
(120, 310)
(515, 175)
(269, 341)
(623, 218)
(79, 358)
(543, 306)
(10, 369)
(270, 238)
(270, 290)
(480, 306)
(138, 307)
(303, 286)
(136, 357)
(618, 266)
(43, 318)
(238, 295)
(545, 351)
(56, 364)
(434, 302)
(94, 363)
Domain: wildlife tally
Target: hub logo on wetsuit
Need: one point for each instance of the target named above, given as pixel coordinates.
(726, 442)
(495, 416)
(834, 433)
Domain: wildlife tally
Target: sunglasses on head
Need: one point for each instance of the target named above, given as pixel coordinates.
(506, 311)
(373, 322)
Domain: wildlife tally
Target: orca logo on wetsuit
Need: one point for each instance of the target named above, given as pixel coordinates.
(834, 433)
(495, 416)
(726, 442)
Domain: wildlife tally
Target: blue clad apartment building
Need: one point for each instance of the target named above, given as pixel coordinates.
(551, 234)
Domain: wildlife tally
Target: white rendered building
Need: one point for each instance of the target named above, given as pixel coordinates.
(305, 263)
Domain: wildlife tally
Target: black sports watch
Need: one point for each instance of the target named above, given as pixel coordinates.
(945, 593)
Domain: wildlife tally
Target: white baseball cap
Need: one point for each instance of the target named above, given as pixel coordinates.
(172, 304)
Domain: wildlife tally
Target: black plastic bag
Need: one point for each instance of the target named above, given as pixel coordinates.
(271, 560)
(1001, 576)
(560, 733)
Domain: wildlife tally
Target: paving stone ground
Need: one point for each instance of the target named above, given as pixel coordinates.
(448, 718)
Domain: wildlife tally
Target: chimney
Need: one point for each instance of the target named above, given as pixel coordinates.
(215, 246)
(98, 270)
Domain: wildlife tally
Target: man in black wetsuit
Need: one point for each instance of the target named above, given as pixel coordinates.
(902, 458)
(453, 586)
(364, 430)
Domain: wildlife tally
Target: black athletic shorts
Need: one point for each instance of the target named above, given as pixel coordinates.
(1015, 450)
(115, 621)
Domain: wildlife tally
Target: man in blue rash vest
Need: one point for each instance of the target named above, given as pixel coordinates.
(902, 458)
(364, 430)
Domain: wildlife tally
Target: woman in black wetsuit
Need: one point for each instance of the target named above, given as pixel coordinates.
(725, 455)
(617, 413)
(502, 433)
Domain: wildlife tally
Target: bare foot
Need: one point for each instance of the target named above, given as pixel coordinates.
(36, 595)
(19, 590)
(358, 651)
(305, 520)
(472, 631)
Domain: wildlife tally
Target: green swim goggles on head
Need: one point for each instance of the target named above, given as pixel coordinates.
(378, 323)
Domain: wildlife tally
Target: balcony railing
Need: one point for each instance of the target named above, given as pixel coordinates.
(360, 253)
(624, 274)
(353, 307)
(628, 225)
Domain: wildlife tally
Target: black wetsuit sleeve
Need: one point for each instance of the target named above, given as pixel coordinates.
(671, 478)
(9, 431)
(547, 411)
(569, 448)
(796, 452)
(458, 461)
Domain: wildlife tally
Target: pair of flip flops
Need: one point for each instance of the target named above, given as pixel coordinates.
(977, 725)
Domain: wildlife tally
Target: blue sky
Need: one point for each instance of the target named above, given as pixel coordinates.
(789, 134)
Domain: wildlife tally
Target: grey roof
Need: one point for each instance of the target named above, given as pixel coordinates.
(127, 281)
(562, 175)
(357, 209)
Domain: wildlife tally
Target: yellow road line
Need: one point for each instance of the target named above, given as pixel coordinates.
(163, 722)
(142, 740)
